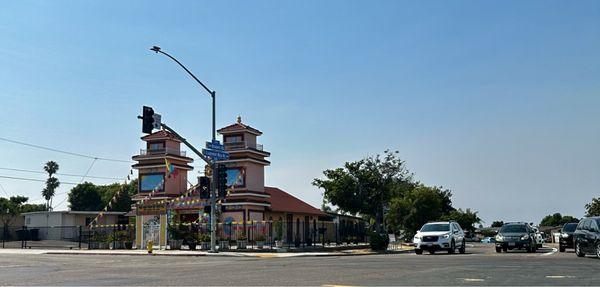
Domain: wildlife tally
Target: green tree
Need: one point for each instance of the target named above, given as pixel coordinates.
(14, 206)
(418, 206)
(123, 201)
(498, 223)
(557, 219)
(90, 197)
(366, 186)
(593, 208)
(52, 183)
(85, 197)
(466, 219)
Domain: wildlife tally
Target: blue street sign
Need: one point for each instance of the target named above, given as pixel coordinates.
(216, 145)
(215, 154)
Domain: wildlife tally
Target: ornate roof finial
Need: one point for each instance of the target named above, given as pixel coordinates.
(239, 119)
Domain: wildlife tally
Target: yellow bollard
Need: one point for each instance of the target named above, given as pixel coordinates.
(149, 246)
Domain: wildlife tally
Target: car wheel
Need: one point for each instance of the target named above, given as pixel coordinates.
(598, 250)
(419, 251)
(463, 248)
(561, 249)
(452, 247)
(578, 250)
(498, 249)
(432, 252)
(505, 249)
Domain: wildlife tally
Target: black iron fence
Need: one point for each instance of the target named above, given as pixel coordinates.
(230, 235)
(113, 236)
(267, 234)
(41, 237)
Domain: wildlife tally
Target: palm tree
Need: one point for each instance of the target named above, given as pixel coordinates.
(52, 183)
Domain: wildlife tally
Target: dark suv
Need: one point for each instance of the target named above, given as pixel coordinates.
(566, 236)
(587, 237)
(516, 235)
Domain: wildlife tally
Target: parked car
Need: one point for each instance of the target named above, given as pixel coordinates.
(539, 239)
(516, 235)
(445, 235)
(488, 240)
(566, 236)
(587, 237)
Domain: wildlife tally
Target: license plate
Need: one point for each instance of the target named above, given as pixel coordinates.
(511, 244)
(429, 244)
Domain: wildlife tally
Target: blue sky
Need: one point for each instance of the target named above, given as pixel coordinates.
(497, 101)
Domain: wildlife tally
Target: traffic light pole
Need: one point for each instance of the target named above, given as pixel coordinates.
(212, 163)
(213, 185)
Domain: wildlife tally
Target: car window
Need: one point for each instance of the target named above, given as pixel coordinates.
(580, 224)
(436, 227)
(569, 227)
(593, 226)
(586, 225)
(513, 228)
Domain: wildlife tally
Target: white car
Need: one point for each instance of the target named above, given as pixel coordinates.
(444, 235)
(539, 238)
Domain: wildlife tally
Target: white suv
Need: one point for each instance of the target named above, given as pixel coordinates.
(444, 235)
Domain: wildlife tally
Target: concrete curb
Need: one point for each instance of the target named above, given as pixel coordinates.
(222, 254)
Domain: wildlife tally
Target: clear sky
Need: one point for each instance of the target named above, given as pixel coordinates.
(497, 100)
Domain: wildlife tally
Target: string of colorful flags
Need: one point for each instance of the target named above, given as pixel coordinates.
(171, 170)
(113, 199)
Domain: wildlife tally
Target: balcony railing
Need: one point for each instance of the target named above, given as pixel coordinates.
(162, 151)
(242, 145)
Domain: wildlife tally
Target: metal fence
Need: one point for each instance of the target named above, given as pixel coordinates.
(41, 237)
(268, 234)
(232, 235)
(114, 236)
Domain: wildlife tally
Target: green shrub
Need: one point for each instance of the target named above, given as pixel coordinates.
(379, 242)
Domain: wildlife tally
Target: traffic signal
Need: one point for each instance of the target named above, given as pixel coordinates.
(147, 120)
(204, 189)
(222, 180)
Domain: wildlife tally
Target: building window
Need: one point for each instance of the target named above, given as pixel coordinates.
(156, 146)
(28, 221)
(235, 177)
(234, 138)
(149, 182)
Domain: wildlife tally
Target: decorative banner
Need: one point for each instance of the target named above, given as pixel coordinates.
(111, 201)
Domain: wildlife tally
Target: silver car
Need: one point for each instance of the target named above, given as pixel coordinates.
(444, 235)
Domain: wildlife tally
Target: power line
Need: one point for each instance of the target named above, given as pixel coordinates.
(4, 190)
(34, 179)
(63, 174)
(63, 151)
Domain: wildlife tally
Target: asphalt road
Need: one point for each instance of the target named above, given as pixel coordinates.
(480, 266)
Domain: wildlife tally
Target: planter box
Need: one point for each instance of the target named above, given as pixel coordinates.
(205, 245)
(260, 244)
(242, 244)
(223, 245)
(175, 244)
(117, 245)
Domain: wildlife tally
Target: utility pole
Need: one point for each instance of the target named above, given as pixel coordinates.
(212, 163)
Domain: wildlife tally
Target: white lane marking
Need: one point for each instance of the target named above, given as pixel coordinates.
(554, 250)
(473, 279)
(559, 276)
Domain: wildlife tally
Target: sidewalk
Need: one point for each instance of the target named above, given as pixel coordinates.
(354, 252)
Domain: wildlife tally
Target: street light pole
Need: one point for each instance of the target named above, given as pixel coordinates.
(213, 192)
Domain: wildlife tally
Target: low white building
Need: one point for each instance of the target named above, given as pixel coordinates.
(64, 225)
